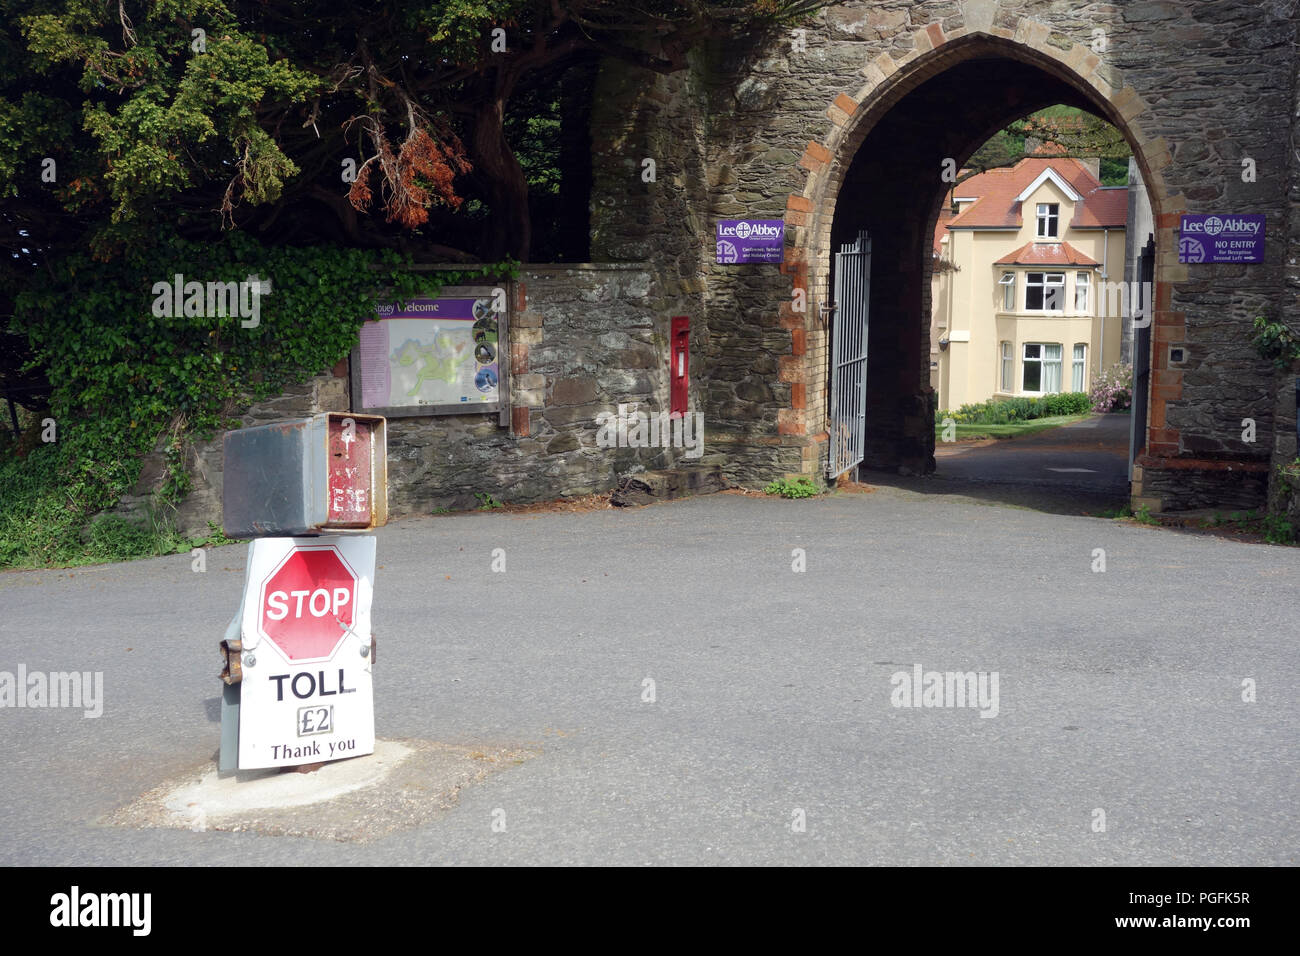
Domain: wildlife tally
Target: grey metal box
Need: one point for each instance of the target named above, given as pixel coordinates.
(327, 474)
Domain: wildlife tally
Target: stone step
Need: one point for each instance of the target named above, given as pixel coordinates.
(650, 486)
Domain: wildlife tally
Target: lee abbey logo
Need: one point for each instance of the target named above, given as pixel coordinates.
(1213, 225)
(744, 229)
(750, 240)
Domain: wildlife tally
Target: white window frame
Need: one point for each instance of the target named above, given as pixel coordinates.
(1082, 292)
(1079, 367)
(1049, 280)
(1049, 217)
(1042, 362)
(1008, 369)
(1025, 360)
(1008, 283)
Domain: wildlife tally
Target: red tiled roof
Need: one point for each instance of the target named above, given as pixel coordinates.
(1047, 254)
(1104, 206)
(997, 189)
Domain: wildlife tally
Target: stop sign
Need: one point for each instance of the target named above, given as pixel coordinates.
(304, 602)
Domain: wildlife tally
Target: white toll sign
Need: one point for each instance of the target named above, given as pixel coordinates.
(307, 694)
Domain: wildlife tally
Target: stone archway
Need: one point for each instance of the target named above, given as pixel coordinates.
(1022, 53)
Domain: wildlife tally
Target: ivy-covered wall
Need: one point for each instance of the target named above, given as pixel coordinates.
(583, 339)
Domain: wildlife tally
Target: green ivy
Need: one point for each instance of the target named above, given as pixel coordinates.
(1278, 530)
(1276, 342)
(123, 378)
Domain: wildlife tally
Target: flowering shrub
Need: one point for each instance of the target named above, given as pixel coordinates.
(1113, 390)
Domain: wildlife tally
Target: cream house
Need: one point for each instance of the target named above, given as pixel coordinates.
(1022, 268)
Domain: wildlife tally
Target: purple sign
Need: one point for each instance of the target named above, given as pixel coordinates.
(434, 309)
(751, 240)
(1228, 238)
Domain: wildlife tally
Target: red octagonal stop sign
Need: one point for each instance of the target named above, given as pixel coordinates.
(304, 600)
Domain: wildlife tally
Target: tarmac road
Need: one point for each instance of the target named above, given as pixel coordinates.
(775, 690)
(1092, 453)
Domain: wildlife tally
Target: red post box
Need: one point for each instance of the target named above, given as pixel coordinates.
(679, 364)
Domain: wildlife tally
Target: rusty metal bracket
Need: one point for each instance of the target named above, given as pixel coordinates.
(232, 670)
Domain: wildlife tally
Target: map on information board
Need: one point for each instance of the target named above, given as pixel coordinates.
(436, 352)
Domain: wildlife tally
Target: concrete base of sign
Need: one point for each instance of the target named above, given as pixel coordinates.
(226, 794)
(403, 784)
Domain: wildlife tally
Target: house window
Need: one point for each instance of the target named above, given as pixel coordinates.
(1045, 291)
(1077, 369)
(1042, 368)
(1081, 284)
(1006, 366)
(1048, 217)
(1008, 283)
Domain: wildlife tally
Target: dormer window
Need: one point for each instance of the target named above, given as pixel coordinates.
(1048, 218)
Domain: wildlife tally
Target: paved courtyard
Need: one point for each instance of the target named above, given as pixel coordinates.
(1117, 732)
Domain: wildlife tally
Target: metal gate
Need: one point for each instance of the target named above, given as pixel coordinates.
(1137, 427)
(848, 418)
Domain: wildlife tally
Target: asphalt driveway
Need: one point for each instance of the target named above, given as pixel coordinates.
(1144, 714)
(1092, 453)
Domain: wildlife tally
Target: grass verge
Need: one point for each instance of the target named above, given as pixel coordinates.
(965, 432)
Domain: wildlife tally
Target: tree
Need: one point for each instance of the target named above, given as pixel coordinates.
(1070, 131)
(213, 114)
(428, 128)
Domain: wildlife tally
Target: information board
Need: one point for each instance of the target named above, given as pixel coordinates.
(433, 356)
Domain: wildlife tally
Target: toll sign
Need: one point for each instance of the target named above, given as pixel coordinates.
(307, 693)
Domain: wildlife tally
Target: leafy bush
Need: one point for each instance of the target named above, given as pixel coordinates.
(1113, 390)
(800, 486)
(123, 377)
(47, 497)
(1278, 530)
(1010, 410)
(1275, 341)
(49, 502)
(1066, 403)
(1143, 516)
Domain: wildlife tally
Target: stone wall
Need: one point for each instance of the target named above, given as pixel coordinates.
(583, 340)
(327, 392)
(741, 348)
(773, 129)
(1284, 491)
(846, 125)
